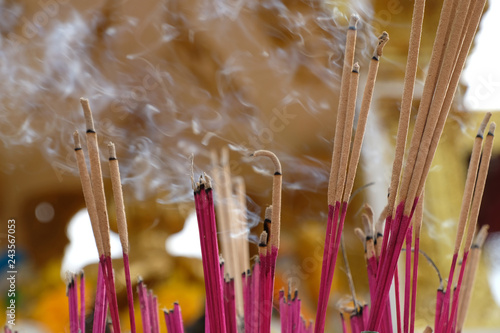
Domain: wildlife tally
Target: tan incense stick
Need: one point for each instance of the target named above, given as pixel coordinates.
(436, 106)
(88, 196)
(407, 99)
(347, 129)
(473, 23)
(470, 182)
(471, 270)
(480, 183)
(121, 218)
(276, 200)
(429, 86)
(96, 178)
(344, 95)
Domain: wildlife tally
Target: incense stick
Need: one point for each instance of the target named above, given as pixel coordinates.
(347, 132)
(88, 196)
(343, 99)
(471, 271)
(419, 215)
(476, 204)
(121, 221)
(102, 214)
(406, 101)
(464, 212)
(210, 254)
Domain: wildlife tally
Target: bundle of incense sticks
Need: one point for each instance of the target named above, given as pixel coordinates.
(95, 200)
(252, 310)
(76, 316)
(458, 23)
(290, 313)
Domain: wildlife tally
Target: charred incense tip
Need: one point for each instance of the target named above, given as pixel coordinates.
(205, 182)
(88, 114)
(112, 151)
(484, 123)
(263, 239)
(481, 236)
(355, 68)
(76, 140)
(382, 40)
(353, 22)
(269, 213)
(491, 131)
(273, 157)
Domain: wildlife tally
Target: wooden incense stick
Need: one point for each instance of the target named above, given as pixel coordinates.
(429, 86)
(240, 190)
(464, 212)
(102, 213)
(471, 271)
(436, 106)
(121, 221)
(406, 101)
(347, 132)
(419, 216)
(276, 197)
(343, 98)
(88, 196)
(474, 18)
(474, 214)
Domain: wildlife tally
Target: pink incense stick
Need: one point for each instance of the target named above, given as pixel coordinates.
(210, 253)
(82, 302)
(398, 299)
(143, 301)
(179, 325)
(130, 293)
(344, 328)
(414, 284)
(456, 293)
(73, 326)
(406, 314)
(156, 319)
(151, 309)
(168, 323)
(99, 301)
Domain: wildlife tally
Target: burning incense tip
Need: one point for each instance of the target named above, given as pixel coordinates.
(76, 139)
(269, 213)
(484, 123)
(493, 126)
(382, 40)
(88, 114)
(355, 68)
(353, 22)
(273, 157)
(263, 239)
(481, 236)
(112, 151)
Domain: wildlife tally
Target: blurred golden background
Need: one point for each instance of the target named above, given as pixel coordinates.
(170, 79)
